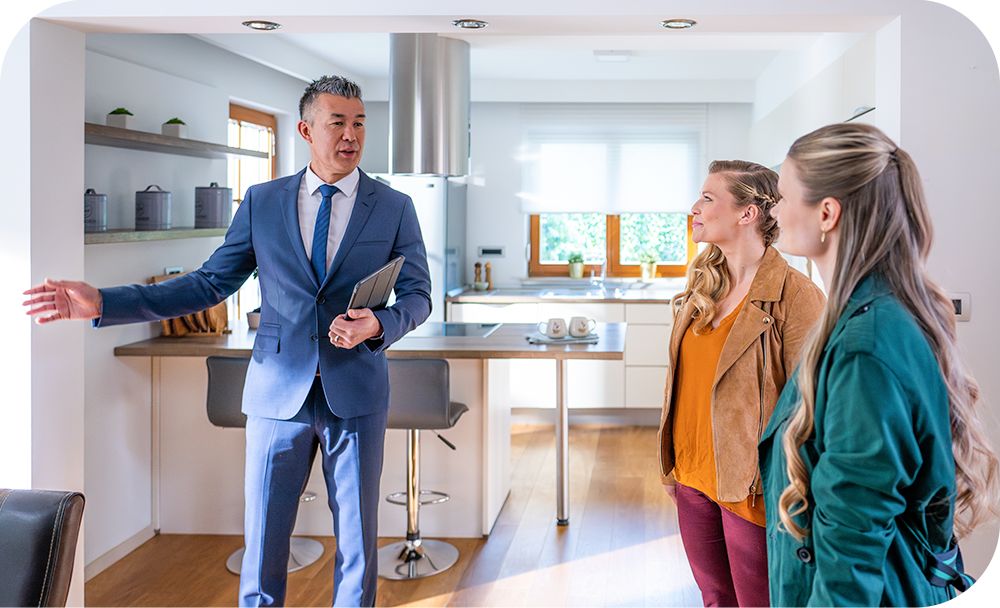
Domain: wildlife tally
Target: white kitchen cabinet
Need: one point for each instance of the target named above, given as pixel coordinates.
(595, 384)
(644, 386)
(518, 312)
(605, 313)
(646, 344)
(649, 314)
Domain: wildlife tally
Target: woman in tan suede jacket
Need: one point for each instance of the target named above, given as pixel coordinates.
(738, 329)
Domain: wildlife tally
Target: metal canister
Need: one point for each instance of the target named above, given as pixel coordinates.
(152, 209)
(213, 206)
(95, 211)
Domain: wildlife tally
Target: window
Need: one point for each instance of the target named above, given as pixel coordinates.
(252, 130)
(619, 239)
(613, 182)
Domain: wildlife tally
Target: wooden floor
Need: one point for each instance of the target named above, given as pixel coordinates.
(620, 549)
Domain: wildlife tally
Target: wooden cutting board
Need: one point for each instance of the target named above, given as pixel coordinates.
(212, 321)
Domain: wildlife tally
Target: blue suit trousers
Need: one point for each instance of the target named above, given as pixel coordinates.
(279, 456)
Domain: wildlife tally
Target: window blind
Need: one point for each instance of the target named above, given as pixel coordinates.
(611, 158)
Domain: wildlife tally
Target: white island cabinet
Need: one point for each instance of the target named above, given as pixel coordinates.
(636, 382)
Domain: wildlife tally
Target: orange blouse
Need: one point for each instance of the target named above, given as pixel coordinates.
(694, 445)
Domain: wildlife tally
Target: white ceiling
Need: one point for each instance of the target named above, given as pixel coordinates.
(668, 56)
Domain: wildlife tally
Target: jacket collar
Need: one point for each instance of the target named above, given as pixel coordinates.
(868, 289)
(769, 281)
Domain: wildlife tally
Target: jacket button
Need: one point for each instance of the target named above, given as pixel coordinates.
(804, 554)
(321, 299)
(767, 320)
(314, 338)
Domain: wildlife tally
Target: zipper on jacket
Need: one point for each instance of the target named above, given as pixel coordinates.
(760, 417)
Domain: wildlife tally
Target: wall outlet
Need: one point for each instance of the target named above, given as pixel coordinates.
(490, 252)
(962, 303)
(173, 269)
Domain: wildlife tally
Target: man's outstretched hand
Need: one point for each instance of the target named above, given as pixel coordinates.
(58, 300)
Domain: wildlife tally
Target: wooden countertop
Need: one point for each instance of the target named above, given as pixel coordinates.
(507, 342)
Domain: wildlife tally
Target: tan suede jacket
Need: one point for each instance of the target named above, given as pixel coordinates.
(762, 350)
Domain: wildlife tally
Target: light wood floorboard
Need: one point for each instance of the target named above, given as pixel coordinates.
(620, 549)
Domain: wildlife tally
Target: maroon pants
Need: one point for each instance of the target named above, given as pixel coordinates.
(728, 554)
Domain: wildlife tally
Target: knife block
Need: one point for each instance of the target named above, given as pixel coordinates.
(212, 321)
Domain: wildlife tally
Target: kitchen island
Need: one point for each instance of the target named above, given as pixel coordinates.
(191, 496)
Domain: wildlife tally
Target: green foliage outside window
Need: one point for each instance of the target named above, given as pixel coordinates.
(563, 234)
(662, 236)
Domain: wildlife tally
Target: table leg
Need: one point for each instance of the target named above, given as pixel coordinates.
(562, 446)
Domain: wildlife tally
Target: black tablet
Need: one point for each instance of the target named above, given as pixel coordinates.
(373, 290)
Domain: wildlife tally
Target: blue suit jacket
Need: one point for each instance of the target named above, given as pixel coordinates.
(296, 311)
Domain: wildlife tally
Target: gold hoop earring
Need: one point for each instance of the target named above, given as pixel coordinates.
(822, 237)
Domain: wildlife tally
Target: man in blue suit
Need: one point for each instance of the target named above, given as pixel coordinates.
(318, 377)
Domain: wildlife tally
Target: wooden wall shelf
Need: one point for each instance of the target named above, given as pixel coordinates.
(135, 236)
(102, 135)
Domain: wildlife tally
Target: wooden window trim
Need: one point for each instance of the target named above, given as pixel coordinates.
(244, 114)
(615, 267)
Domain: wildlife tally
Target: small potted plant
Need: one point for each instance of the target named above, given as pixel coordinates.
(647, 265)
(119, 117)
(175, 127)
(575, 261)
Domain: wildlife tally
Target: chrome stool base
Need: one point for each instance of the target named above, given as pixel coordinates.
(405, 560)
(303, 552)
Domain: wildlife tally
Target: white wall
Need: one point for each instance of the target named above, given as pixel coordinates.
(42, 236)
(828, 91)
(494, 212)
(949, 124)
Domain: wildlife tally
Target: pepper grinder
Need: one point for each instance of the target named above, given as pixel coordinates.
(478, 284)
(489, 276)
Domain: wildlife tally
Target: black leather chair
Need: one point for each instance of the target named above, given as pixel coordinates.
(226, 376)
(38, 532)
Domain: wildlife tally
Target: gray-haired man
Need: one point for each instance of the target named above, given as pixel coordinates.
(312, 236)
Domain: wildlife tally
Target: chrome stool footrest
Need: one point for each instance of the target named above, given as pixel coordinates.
(399, 498)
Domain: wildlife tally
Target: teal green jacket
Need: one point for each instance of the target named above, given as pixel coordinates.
(881, 470)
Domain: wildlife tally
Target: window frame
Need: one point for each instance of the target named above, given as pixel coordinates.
(243, 114)
(612, 254)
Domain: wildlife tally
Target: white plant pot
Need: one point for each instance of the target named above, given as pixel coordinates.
(122, 121)
(576, 270)
(253, 319)
(174, 130)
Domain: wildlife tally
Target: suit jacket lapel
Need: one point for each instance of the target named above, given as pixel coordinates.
(363, 205)
(290, 215)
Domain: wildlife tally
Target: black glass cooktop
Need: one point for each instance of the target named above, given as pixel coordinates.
(464, 330)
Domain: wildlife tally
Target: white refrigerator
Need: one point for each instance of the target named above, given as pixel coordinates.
(440, 204)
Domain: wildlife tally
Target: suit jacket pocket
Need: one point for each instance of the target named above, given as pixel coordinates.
(268, 338)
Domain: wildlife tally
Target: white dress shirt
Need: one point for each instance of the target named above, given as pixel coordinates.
(342, 204)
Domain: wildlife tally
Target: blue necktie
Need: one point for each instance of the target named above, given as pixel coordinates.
(322, 232)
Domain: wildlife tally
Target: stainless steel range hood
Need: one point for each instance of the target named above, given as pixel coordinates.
(428, 105)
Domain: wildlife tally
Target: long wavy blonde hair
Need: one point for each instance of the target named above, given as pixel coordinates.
(884, 229)
(708, 276)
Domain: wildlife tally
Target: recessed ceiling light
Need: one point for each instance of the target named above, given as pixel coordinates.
(470, 24)
(261, 25)
(612, 56)
(678, 24)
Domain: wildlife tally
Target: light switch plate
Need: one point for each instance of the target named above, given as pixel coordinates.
(962, 303)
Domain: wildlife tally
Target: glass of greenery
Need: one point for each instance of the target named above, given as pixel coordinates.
(575, 261)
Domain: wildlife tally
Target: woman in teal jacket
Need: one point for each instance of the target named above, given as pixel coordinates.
(873, 460)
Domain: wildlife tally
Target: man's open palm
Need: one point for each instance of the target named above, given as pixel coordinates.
(57, 300)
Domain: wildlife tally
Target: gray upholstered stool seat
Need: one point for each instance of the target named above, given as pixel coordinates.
(226, 376)
(418, 400)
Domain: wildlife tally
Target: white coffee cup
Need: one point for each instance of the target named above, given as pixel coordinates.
(553, 328)
(581, 326)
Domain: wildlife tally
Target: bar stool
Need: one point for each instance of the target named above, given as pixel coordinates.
(418, 400)
(226, 376)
